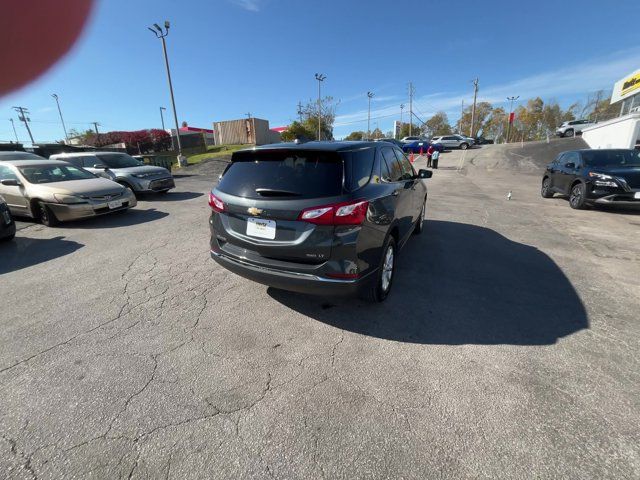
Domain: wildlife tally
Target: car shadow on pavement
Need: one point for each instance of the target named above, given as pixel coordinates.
(124, 218)
(24, 252)
(461, 284)
(171, 196)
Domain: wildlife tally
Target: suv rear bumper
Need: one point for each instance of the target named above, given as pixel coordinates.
(292, 281)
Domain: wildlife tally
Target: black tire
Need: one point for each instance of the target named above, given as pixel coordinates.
(376, 292)
(464, 146)
(568, 133)
(420, 223)
(577, 196)
(45, 215)
(545, 190)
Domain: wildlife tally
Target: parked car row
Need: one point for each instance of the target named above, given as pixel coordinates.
(73, 186)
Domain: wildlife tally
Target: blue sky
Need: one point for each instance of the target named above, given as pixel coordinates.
(230, 57)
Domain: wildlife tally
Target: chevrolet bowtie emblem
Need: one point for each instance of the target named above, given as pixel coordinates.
(254, 211)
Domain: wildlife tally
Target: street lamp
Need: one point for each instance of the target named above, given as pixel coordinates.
(66, 137)
(14, 130)
(320, 78)
(370, 96)
(159, 33)
(401, 109)
(511, 99)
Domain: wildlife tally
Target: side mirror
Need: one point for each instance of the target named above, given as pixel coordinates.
(99, 165)
(570, 165)
(10, 182)
(422, 173)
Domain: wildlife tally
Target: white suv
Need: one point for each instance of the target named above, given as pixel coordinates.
(453, 141)
(573, 127)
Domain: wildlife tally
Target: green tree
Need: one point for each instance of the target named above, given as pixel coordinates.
(483, 112)
(438, 125)
(415, 130)
(377, 133)
(300, 131)
(358, 135)
(327, 116)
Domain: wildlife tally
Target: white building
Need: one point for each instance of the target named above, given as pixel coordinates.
(624, 131)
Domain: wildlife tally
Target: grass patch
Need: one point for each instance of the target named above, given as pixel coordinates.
(215, 151)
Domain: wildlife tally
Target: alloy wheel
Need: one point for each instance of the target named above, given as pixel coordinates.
(387, 268)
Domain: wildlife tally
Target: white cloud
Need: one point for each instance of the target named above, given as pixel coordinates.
(250, 5)
(575, 80)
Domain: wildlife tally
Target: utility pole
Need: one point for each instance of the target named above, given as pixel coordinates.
(401, 124)
(95, 126)
(248, 114)
(473, 110)
(411, 93)
(22, 116)
(159, 33)
(14, 130)
(370, 96)
(300, 110)
(66, 137)
(320, 78)
(461, 115)
(509, 120)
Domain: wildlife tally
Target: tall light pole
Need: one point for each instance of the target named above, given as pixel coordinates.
(14, 130)
(66, 137)
(412, 91)
(22, 116)
(370, 96)
(162, 117)
(320, 78)
(159, 33)
(401, 108)
(509, 120)
(473, 109)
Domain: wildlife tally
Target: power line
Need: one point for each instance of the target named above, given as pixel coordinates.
(22, 116)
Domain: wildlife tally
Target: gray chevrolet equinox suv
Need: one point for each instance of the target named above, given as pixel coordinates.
(123, 169)
(324, 218)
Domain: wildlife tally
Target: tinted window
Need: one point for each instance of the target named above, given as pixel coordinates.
(358, 165)
(53, 173)
(77, 161)
(570, 157)
(407, 169)
(283, 173)
(393, 166)
(117, 160)
(611, 158)
(448, 138)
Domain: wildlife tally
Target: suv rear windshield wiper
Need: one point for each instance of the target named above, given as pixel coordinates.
(272, 192)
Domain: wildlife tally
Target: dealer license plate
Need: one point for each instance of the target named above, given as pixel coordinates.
(259, 227)
(115, 204)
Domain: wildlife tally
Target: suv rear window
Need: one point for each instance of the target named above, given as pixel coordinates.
(283, 173)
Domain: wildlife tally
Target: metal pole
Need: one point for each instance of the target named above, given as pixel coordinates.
(410, 108)
(162, 117)
(511, 100)
(320, 77)
(173, 102)
(66, 137)
(461, 115)
(473, 110)
(14, 130)
(370, 96)
(401, 108)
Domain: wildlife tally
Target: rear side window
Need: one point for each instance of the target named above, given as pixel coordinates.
(283, 174)
(77, 161)
(393, 172)
(358, 165)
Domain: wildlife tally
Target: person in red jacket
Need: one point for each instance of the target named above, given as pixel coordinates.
(430, 151)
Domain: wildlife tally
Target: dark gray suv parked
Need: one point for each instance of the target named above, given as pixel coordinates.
(324, 218)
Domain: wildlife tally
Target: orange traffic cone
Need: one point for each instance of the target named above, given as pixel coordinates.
(411, 157)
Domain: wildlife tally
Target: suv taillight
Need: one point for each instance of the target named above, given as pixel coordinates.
(346, 213)
(215, 203)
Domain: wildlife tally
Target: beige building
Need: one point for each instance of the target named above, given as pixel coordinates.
(254, 131)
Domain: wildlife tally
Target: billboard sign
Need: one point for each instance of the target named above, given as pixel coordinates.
(625, 87)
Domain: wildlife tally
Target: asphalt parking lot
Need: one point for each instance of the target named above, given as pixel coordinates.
(507, 349)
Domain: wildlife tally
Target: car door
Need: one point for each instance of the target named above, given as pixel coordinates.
(404, 197)
(88, 161)
(13, 195)
(567, 171)
(449, 141)
(553, 172)
(412, 184)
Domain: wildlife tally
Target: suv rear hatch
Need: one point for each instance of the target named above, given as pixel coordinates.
(283, 205)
